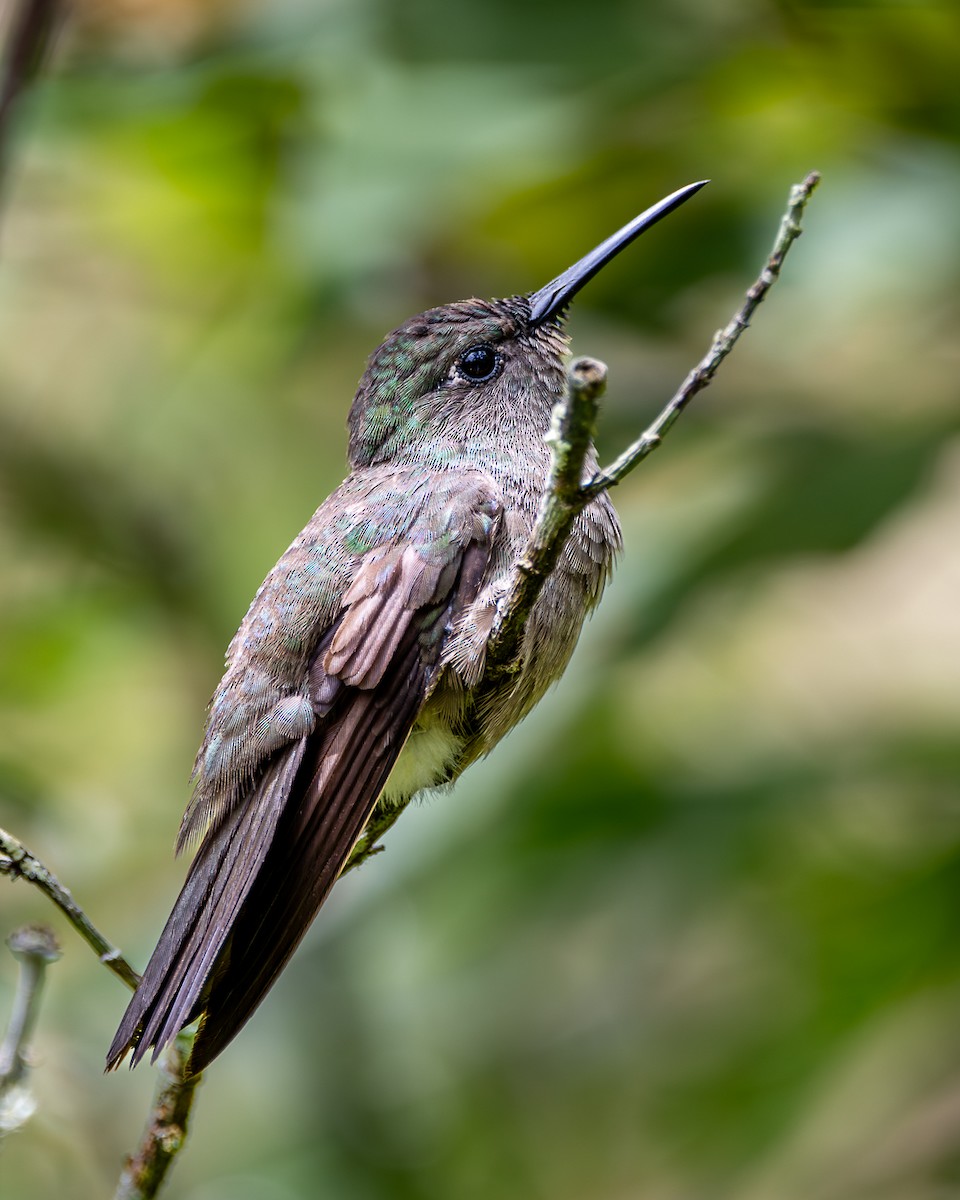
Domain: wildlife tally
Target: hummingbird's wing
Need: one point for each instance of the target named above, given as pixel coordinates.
(269, 861)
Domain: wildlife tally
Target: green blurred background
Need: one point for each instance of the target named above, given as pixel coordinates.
(694, 930)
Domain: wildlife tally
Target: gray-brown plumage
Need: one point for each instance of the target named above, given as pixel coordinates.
(356, 677)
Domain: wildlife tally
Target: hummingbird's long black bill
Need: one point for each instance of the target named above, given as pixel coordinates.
(549, 301)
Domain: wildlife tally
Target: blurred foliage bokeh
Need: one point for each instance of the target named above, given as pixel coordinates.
(694, 930)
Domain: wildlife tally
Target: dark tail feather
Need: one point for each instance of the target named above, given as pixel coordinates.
(312, 843)
(220, 877)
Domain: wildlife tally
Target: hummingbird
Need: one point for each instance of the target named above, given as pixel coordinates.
(356, 678)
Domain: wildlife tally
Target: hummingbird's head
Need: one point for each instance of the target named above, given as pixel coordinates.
(477, 367)
(450, 370)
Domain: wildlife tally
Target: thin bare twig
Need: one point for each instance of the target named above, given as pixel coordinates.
(167, 1124)
(17, 862)
(723, 342)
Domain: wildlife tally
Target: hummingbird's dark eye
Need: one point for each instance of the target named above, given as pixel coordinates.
(479, 363)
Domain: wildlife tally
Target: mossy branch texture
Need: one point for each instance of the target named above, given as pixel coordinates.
(565, 496)
(569, 437)
(166, 1131)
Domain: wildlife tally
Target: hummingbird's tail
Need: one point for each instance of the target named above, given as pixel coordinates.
(261, 875)
(219, 881)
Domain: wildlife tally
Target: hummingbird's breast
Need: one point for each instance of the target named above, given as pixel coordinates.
(465, 717)
(553, 628)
